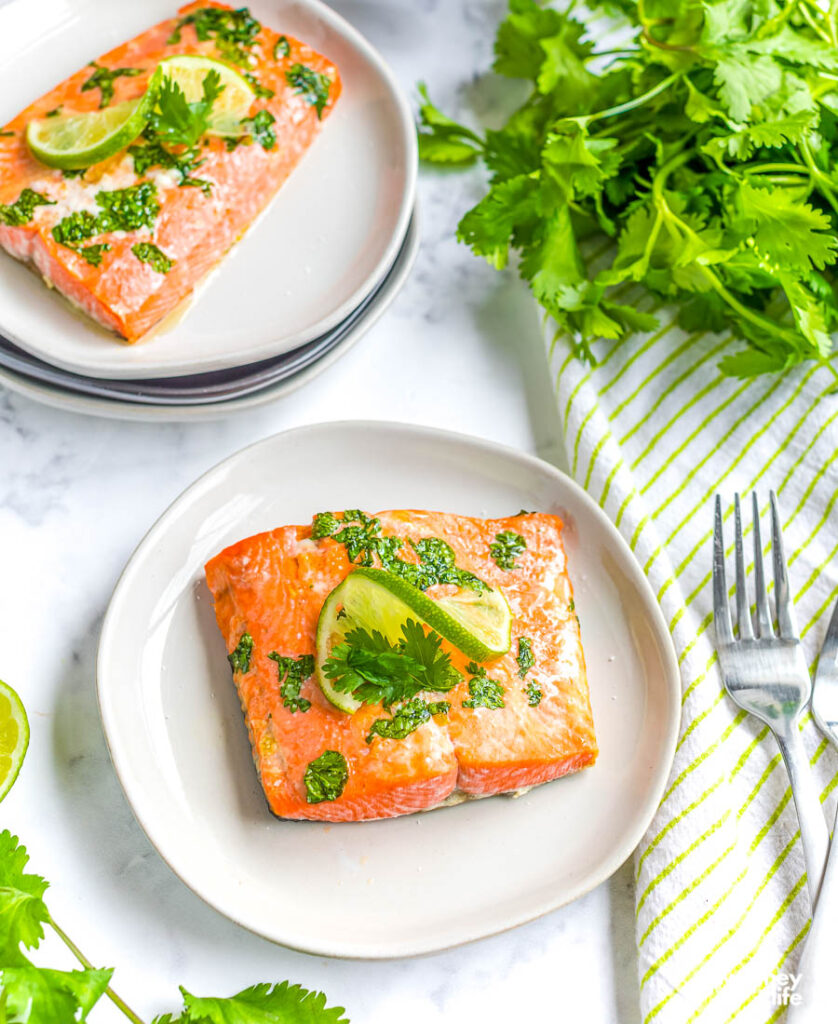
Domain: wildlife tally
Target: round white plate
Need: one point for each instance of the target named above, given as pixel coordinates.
(407, 885)
(110, 408)
(326, 241)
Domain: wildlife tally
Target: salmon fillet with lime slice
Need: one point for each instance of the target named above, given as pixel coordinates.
(534, 726)
(191, 219)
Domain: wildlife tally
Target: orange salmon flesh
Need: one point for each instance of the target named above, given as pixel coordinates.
(273, 586)
(194, 228)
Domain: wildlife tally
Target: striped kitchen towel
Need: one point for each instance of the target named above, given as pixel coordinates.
(652, 432)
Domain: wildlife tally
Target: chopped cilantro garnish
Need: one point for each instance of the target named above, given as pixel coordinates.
(525, 658)
(325, 777)
(126, 209)
(147, 252)
(103, 79)
(407, 718)
(22, 209)
(375, 671)
(76, 227)
(175, 121)
(311, 85)
(361, 536)
(55, 111)
(259, 127)
(262, 91)
(483, 692)
(73, 172)
(93, 253)
(239, 658)
(572, 605)
(534, 693)
(506, 547)
(234, 32)
(293, 672)
(281, 47)
(6, 134)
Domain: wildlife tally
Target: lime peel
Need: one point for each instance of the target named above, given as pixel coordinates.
(14, 737)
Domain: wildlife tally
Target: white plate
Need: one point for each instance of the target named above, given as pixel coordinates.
(408, 885)
(109, 408)
(325, 242)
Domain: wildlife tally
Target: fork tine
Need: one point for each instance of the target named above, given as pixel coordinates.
(743, 609)
(721, 609)
(782, 601)
(763, 615)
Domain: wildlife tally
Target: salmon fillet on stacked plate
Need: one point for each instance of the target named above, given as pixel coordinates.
(129, 239)
(519, 717)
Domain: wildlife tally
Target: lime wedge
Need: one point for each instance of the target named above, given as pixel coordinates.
(479, 625)
(75, 141)
(189, 72)
(14, 737)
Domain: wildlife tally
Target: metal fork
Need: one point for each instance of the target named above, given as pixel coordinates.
(765, 672)
(817, 964)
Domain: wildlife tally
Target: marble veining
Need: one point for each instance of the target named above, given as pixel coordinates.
(460, 348)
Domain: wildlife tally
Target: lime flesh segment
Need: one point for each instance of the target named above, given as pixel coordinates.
(479, 625)
(14, 737)
(76, 141)
(236, 99)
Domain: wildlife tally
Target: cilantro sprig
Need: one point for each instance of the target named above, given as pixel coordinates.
(33, 994)
(705, 148)
(376, 671)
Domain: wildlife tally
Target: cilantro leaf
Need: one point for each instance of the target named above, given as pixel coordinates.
(103, 79)
(148, 252)
(374, 670)
(407, 718)
(176, 122)
(311, 85)
(240, 656)
(22, 908)
(326, 777)
(293, 672)
(441, 140)
(525, 659)
(506, 547)
(35, 995)
(266, 1004)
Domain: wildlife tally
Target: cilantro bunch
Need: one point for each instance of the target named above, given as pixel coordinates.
(702, 147)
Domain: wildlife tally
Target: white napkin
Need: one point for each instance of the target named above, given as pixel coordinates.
(652, 433)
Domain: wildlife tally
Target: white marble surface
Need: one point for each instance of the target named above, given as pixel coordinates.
(460, 348)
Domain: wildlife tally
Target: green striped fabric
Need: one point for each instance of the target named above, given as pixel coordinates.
(652, 432)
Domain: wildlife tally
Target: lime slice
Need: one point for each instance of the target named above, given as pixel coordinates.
(189, 72)
(14, 737)
(479, 625)
(75, 141)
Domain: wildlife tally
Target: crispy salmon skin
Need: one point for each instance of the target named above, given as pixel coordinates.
(269, 590)
(192, 218)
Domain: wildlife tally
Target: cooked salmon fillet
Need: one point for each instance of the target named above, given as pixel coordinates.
(196, 224)
(272, 586)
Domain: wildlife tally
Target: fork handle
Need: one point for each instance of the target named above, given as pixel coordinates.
(814, 833)
(816, 972)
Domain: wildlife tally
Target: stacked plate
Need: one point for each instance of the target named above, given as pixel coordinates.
(316, 271)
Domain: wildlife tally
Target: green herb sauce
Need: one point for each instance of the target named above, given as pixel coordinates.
(147, 252)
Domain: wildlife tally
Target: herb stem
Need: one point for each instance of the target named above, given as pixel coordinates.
(117, 1000)
(638, 101)
(825, 187)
